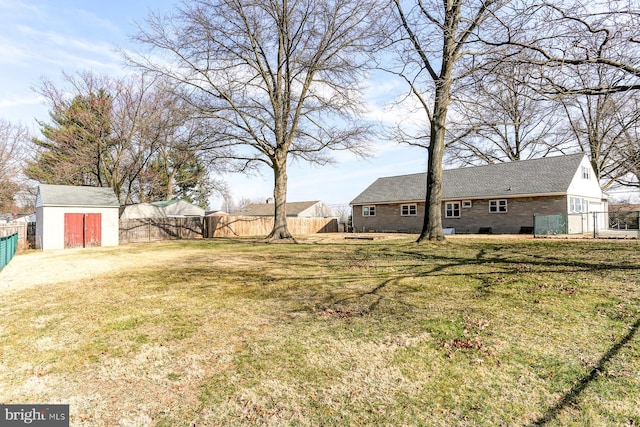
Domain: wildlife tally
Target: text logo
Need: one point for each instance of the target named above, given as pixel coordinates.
(34, 415)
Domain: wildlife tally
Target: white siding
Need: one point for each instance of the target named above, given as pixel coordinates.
(587, 188)
(39, 228)
(50, 225)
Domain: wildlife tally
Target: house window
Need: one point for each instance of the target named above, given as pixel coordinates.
(466, 204)
(586, 173)
(497, 206)
(408, 210)
(368, 211)
(452, 210)
(576, 204)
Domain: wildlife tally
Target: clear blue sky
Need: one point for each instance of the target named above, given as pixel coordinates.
(43, 38)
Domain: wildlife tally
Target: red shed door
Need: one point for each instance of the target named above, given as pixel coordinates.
(93, 230)
(73, 230)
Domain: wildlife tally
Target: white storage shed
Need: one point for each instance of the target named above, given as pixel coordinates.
(71, 216)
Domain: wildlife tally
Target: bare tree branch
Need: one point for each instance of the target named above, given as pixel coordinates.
(276, 79)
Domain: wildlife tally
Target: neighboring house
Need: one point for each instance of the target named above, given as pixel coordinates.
(10, 218)
(179, 208)
(624, 207)
(624, 216)
(70, 216)
(6, 218)
(215, 213)
(498, 198)
(312, 209)
(163, 209)
(25, 218)
(141, 210)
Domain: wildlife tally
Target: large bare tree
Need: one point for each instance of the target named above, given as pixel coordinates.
(605, 127)
(13, 141)
(437, 44)
(162, 159)
(499, 119)
(275, 78)
(564, 38)
(584, 54)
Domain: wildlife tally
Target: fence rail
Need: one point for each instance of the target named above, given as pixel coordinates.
(8, 248)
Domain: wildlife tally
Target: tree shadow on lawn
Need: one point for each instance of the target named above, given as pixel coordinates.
(573, 395)
(542, 264)
(417, 264)
(553, 265)
(366, 301)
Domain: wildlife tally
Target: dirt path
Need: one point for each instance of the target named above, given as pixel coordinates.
(39, 268)
(35, 268)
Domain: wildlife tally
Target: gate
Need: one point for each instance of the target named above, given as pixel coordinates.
(544, 225)
(82, 230)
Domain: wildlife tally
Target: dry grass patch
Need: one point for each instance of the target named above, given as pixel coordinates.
(384, 332)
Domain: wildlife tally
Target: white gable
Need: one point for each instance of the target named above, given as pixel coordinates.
(585, 182)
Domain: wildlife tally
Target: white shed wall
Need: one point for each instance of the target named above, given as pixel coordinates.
(50, 225)
(39, 227)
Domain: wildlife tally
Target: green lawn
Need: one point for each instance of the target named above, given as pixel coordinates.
(386, 332)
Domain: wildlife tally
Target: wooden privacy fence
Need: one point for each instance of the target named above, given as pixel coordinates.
(242, 226)
(26, 233)
(18, 227)
(153, 229)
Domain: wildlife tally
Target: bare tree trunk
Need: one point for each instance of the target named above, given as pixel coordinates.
(432, 226)
(169, 188)
(280, 230)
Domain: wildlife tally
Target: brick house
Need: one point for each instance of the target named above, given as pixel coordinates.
(499, 198)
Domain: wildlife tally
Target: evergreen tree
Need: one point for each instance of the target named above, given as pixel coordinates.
(76, 146)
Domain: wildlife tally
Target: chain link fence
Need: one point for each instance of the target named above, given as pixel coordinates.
(8, 248)
(621, 224)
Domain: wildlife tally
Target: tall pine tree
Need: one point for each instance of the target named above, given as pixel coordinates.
(76, 148)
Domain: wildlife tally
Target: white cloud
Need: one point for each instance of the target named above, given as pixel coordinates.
(21, 101)
(17, 7)
(11, 54)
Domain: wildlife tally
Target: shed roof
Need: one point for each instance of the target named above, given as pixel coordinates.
(548, 175)
(70, 195)
(268, 209)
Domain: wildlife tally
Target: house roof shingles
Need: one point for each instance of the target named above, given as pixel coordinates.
(69, 195)
(548, 175)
